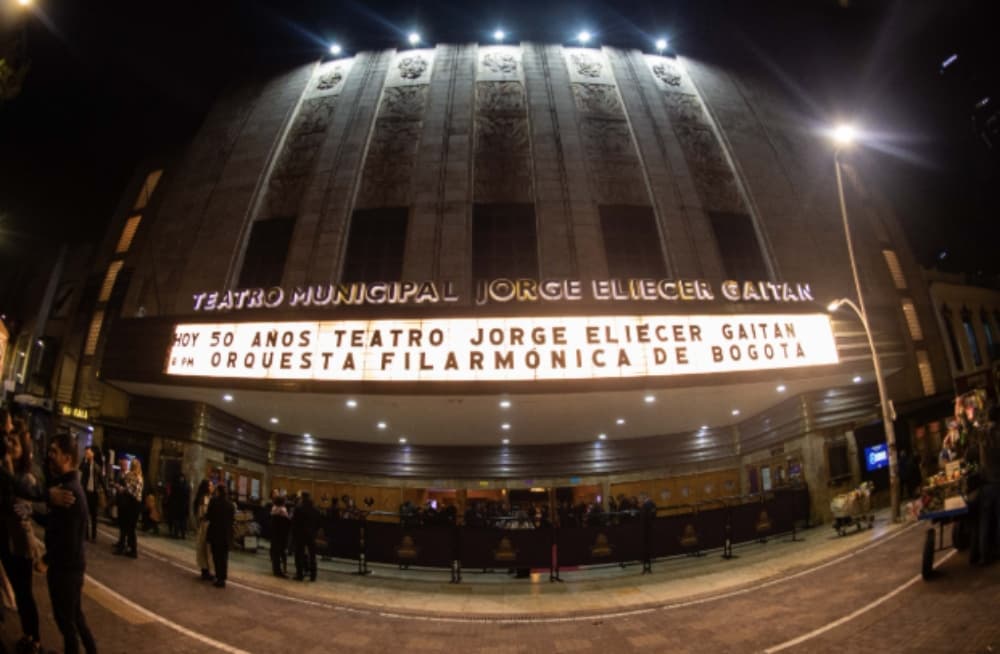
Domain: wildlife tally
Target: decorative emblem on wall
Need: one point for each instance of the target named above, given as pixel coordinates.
(601, 547)
(689, 537)
(505, 551)
(412, 67)
(499, 62)
(667, 74)
(406, 548)
(586, 66)
(329, 80)
(763, 522)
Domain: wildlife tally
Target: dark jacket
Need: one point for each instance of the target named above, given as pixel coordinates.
(281, 526)
(305, 522)
(99, 481)
(66, 529)
(220, 516)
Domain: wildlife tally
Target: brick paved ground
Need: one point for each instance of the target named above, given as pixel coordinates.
(956, 612)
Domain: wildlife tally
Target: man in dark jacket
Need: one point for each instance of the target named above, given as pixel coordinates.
(220, 515)
(281, 525)
(305, 522)
(65, 533)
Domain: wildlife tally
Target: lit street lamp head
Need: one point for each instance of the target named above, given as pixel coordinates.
(844, 135)
(833, 306)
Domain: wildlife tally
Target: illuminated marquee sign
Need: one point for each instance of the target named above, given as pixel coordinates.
(508, 349)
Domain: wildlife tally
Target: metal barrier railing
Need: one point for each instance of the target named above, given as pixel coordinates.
(620, 538)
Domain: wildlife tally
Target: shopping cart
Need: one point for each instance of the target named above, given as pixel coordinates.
(853, 509)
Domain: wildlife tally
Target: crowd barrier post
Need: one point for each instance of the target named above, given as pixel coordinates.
(554, 563)
(727, 546)
(362, 563)
(456, 563)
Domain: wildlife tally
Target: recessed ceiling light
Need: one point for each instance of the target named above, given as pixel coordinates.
(506, 441)
(274, 421)
(781, 388)
(504, 404)
(602, 437)
(307, 436)
(857, 379)
(505, 426)
(704, 427)
(736, 412)
(620, 421)
(381, 425)
(227, 397)
(402, 439)
(649, 399)
(351, 403)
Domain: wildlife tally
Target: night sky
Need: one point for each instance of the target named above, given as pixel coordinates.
(112, 81)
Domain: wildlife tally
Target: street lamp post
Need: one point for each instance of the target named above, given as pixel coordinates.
(844, 136)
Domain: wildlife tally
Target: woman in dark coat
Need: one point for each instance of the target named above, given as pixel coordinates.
(220, 516)
(281, 525)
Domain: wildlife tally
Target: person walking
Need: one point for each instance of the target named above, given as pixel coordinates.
(92, 480)
(305, 522)
(220, 515)
(65, 533)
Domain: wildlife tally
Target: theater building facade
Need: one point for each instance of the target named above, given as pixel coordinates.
(469, 271)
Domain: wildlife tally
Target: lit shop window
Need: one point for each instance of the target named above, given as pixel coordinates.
(93, 333)
(926, 372)
(631, 242)
(892, 261)
(109, 280)
(504, 244)
(128, 233)
(956, 351)
(152, 179)
(912, 321)
(375, 245)
(970, 335)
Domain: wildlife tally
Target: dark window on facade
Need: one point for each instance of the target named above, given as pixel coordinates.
(504, 244)
(840, 465)
(267, 250)
(738, 246)
(991, 341)
(956, 351)
(970, 335)
(631, 242)
(375, 245)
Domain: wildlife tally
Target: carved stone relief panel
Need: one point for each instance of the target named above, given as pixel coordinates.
(603, 139)
(499, 63)
(701, 147)
(499, 134)
(622, 186)
(500, 97)
(329, 78)
(290, 174)
(587, 66)
(404, 102)
(388, 166)
(503, 179)
(684, 108)
(410, 67)
(600, 99)
(669, 74)
(718, 189)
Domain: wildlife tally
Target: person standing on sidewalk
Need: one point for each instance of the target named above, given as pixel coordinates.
(92, 481)
(305, 522)
(65, 533)
(220, 515)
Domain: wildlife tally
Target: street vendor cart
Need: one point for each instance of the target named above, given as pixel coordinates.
(853, 509)
(945, 501)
